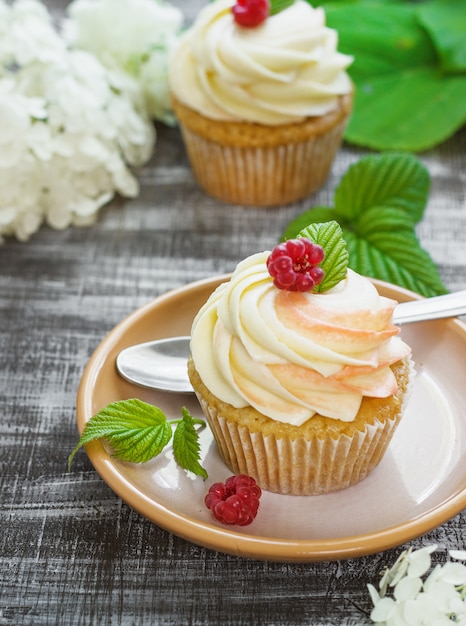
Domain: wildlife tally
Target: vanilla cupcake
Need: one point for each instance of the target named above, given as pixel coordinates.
(262, 109)
(303, 390)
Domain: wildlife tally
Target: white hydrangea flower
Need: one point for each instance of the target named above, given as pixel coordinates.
(27, 34)
(438, 600)
(140, 41)
(13, 129)
(71, 129)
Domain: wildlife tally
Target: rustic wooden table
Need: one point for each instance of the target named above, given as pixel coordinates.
(71, 551)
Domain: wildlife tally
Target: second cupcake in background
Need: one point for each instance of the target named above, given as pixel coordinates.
(262, 98)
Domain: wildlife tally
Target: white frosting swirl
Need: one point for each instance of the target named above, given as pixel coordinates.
(291, 355)
(280, 72)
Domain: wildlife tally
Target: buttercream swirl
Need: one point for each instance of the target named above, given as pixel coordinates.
(291, 355)
(280, 72)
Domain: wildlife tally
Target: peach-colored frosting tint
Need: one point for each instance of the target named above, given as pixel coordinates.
(291, 355)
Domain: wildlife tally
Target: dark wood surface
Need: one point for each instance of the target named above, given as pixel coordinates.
(71, 552)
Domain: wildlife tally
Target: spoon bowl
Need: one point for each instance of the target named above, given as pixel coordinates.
(161, 364)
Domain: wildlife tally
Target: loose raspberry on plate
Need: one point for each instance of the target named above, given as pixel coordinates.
(236, 501)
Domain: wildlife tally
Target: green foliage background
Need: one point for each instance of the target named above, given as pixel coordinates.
(409, 70)
(378, 203)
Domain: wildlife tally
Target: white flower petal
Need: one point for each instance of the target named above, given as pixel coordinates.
(420, 610)
(407, 589)
(383, 610)
(37, 108)
(126, 184)
(15, 119)
(420, 561)
(7, 216)
(40, 141)
(397, 571)
(59, 218)
(12, 154)
(443, 595)
(27, 224)
(87, 220)
(374, 594)
(453, 573)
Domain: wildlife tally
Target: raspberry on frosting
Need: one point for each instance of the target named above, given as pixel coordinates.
(250, 13)
(294, 265)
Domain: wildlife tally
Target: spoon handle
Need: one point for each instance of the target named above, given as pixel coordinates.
(449, 305)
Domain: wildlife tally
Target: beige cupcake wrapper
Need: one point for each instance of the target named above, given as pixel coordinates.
(301, 467)
(258, 176)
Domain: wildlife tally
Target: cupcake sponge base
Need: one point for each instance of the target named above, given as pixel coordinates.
(252, 164)
(305, 461)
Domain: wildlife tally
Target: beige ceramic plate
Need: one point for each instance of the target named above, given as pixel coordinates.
(420, 483)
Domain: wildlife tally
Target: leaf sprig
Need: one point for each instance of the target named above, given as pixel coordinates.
(378, 203)
(330, 236)
(137, 431)
(279, 5)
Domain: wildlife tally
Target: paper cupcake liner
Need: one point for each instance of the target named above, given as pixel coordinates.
(302, 467)
(262, 176)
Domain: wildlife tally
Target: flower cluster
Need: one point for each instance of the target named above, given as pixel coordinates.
(142, 35)
(437, 599)
(74, 124)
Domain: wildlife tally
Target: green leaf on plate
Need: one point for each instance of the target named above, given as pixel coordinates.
(135, 431)
(186, 444)
(378, 202)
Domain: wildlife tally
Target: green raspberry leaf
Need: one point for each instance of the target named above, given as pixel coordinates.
(137, 432)
(330, 236)
(279, 5)
(396, 258)
(186, 444)
(393, 185)
(378, 203)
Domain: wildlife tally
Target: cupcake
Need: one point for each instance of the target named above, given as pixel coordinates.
(303, 383)
(262, 108)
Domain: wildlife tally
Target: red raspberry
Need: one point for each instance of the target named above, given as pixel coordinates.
(234, 502)
(251, 13)
(294, 265)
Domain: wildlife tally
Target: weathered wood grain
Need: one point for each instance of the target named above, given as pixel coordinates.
(71, 552)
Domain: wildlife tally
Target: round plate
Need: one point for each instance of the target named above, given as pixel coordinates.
(420, 483)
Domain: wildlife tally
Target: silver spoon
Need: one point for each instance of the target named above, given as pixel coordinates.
(161, 364)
